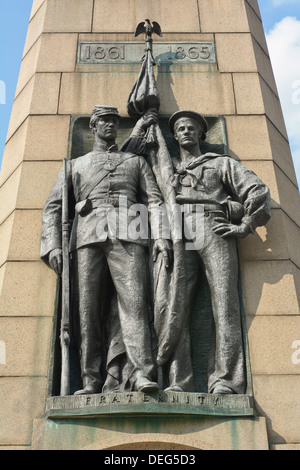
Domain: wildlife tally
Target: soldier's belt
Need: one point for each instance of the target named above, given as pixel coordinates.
(105, 202)
(111, 202)
(86, 206)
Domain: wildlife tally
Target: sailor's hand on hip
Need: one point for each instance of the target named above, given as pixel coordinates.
(227, 230)
(55, 260)
(165, 248)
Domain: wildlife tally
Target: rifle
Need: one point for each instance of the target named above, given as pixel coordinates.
(65, 316)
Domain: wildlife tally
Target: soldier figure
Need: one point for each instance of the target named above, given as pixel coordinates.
(97, 181)
(235, 202)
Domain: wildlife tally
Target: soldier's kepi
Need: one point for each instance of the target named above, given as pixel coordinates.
(235, 202)
(97, 180)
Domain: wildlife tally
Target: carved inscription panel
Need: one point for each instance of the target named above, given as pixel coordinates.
(129, 52)
(162, 402)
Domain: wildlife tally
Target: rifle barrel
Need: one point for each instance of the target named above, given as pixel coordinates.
(65, 317)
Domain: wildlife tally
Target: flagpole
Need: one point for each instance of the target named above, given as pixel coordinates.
(168, 318)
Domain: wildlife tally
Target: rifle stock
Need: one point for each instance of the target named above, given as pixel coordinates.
(65, 317)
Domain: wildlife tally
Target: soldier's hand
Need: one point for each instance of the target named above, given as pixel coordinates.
(150, 117)
(55, 260)
(227, 230)
(164, 247)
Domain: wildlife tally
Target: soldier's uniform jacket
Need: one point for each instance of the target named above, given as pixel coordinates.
(211, 178)
(124, 175)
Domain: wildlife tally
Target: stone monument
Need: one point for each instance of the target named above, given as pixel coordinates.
(219, 325)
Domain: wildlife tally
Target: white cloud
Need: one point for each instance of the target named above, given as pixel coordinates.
(284, 48)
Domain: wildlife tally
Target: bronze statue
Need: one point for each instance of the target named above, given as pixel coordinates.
(101, 247)
(126, 336)
(235, 202)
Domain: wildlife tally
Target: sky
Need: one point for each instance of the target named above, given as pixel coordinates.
(281, 21)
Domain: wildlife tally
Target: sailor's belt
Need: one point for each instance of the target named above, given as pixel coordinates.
(207, 208)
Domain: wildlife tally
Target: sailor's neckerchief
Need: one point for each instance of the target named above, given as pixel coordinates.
(180, 171)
